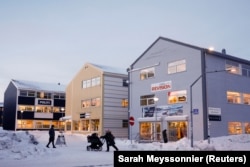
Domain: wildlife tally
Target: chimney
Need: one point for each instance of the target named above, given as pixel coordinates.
(223, 51)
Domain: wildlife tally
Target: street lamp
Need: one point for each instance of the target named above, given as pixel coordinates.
(155, 113)
(21, 119)
(191, 104)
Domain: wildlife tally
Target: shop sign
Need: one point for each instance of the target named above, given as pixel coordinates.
(161, 86)
(214, 111)
(44, 102)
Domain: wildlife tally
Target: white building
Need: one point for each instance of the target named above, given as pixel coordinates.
(170, 75)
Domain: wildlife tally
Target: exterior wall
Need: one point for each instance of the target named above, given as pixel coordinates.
(217, 86)
(29, 119)
(114, 113)
(10, 101)
(110, 113)
(164, 52)
(1, 114)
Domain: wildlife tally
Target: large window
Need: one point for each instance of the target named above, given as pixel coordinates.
(233, 97)
(27, 93)
(147, 73)
(177, 66)
(91, 82)
(177, 97)
(234, 128)
(91, 102)
(147, 100)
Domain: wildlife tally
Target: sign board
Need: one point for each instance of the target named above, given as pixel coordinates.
(214, 117)
(214, 111)
(161, 86)
(131, 121)
(195, 111)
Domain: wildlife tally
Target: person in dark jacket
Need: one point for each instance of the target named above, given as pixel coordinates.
(110, 140)
(51, 136)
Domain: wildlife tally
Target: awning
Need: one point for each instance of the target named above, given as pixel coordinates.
(65, 118)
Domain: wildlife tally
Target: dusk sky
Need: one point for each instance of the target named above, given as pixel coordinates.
(51, 40)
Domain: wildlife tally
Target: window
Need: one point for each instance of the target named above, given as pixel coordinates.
(247, 127)
(124, 103)
(245, 70)
(124, 123)
(233, 97)
(84, 84)
(27, 93)
(147, 73)
(233, 67)
(91, 102)
(59, 96)
(177, 97)
(147, 100)
(246, 98)
(177, 66)
(234, 128)
(91, 82)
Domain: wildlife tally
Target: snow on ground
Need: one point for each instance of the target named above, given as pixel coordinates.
(28, 149)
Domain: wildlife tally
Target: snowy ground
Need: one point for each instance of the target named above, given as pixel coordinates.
(17, 149)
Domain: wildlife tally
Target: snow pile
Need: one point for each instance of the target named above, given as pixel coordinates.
(19, 145)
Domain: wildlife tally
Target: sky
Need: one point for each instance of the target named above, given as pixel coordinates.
(18, 150)
(51, 40)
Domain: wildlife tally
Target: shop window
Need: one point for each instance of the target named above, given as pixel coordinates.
(94, 124)
(177, 66)
(234, 128)
(145, 131)
(85, 125)
(147, 73)
(177, 97)
(233, 97)
(247, 127)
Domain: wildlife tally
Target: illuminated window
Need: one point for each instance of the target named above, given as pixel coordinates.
(177, 97)
(177, 66)
(247, 127)
(147, 73)
(246, 98)
(233, 97)
(234, 128)
(124, 103)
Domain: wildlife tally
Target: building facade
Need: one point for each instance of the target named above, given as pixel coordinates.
(189, 91)
(1, 114)
(33, 106)
(97, 100)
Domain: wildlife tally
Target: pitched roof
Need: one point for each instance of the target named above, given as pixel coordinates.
(110, 69)
(39, 86)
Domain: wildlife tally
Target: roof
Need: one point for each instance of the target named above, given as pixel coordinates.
(218, 54)
(39, 86)
(110, 69)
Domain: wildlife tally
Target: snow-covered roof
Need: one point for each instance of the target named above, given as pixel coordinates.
(110, 69)
(39, 86)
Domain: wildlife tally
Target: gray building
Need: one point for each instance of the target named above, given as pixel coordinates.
(30, 105)
(171, 79)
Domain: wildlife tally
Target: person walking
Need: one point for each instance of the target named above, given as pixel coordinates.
(110, 140)
(51, 136)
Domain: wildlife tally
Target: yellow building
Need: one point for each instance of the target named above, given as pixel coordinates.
(97, 101)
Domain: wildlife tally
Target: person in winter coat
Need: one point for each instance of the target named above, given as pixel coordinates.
(51, 136)
(110, 140)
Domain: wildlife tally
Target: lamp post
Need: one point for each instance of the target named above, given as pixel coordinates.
(191, 106)
(21, 119)
(155, 113)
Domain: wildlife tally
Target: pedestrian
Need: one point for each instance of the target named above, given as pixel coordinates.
(51, 136)
(110, 140)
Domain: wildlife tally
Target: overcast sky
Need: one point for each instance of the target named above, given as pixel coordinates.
(50, 40)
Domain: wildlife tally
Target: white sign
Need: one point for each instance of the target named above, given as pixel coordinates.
(214, 111)
(161, 86)
(43, 115)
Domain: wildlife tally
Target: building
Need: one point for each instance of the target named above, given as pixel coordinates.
(97, 100)
(32, 105)
(1, 113)
(171, 79)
